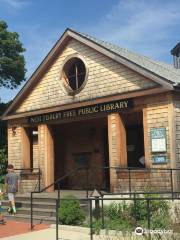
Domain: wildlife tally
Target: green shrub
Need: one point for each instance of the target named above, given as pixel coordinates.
(70, 212)
(159, 213)
(3, 164)
(126, 215)
(117, 210)
(118, 216)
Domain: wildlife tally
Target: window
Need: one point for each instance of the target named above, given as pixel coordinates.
(74, 75)
(81, 160)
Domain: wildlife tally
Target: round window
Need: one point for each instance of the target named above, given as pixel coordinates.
(74, 74)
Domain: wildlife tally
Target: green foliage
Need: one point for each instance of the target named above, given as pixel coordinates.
(3, 143)
(118, 216)
(70, 212)
(97, 225)
(12, 63)
(126, 215)
(159, 213)
(116, 210)
(3, 164)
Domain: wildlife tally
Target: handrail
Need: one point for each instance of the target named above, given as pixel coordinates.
(42, 190)
(129, 169)
(58, 180)
(97, 167)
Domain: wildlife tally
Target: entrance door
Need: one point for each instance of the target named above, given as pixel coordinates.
(81, 145)
(135, 146)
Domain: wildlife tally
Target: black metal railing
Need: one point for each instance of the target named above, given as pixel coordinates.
(153, 177)
(124, 179)
(46, 188)
(149, 203)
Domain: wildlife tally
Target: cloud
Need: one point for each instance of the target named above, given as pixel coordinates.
(17, 4)
(148, 27)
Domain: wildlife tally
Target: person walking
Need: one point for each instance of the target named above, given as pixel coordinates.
(12, 187)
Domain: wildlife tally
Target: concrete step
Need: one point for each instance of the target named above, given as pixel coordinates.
(27, 203)
(36, 211)
(36, 219)
(54, 195)
(44, 206)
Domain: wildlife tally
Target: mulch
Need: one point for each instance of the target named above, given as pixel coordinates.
(12, 228)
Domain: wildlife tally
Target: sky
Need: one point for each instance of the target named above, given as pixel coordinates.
(149, 27)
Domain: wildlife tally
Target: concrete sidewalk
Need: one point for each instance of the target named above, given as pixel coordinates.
(50, 234)
(79, 233)
(68, 234)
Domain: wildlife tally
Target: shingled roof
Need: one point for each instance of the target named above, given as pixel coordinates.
(164, 70)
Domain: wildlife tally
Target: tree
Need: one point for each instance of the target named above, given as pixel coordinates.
(3, 125)
(3, 142)
(12, 62)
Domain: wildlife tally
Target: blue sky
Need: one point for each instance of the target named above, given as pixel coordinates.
(150, 27)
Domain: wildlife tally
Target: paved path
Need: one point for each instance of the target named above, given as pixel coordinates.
(21, 231)
(15, 228)
(49, 234)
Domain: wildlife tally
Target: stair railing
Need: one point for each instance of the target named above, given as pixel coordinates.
(58, 181)
(126, 171)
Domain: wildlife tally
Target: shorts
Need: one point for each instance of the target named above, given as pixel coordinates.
(11, 196)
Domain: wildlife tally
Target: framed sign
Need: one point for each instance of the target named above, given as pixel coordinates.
(158, 140)
(159, 159)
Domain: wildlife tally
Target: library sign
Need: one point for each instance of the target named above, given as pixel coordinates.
(114, 106)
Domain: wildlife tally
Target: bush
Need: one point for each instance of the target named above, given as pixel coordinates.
(118, 216)
(159, 213)
(3, 164)
(126, 215)
(70, 212)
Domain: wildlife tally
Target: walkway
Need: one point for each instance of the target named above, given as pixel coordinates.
(13, 228)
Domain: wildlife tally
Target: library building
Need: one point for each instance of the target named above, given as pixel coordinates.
(98, 116)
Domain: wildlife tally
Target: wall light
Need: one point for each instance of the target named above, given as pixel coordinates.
(14, 130)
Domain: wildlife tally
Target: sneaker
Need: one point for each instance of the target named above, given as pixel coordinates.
(3, 222)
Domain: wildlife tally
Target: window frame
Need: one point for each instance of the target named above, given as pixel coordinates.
(64, 84)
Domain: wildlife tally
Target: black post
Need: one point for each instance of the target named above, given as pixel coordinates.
(58, 191)
(32, 226)
(102, 211)
(134, 202)
(172, 187)
(149, 214)
(129, 181)
(91, 227)
(57, 219)
(39, 180)
(87, 183)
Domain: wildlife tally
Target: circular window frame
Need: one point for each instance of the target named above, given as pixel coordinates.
(64, 84)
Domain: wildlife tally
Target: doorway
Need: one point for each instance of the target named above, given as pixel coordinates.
(135, 146)
(82, 145)
(135, 140)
